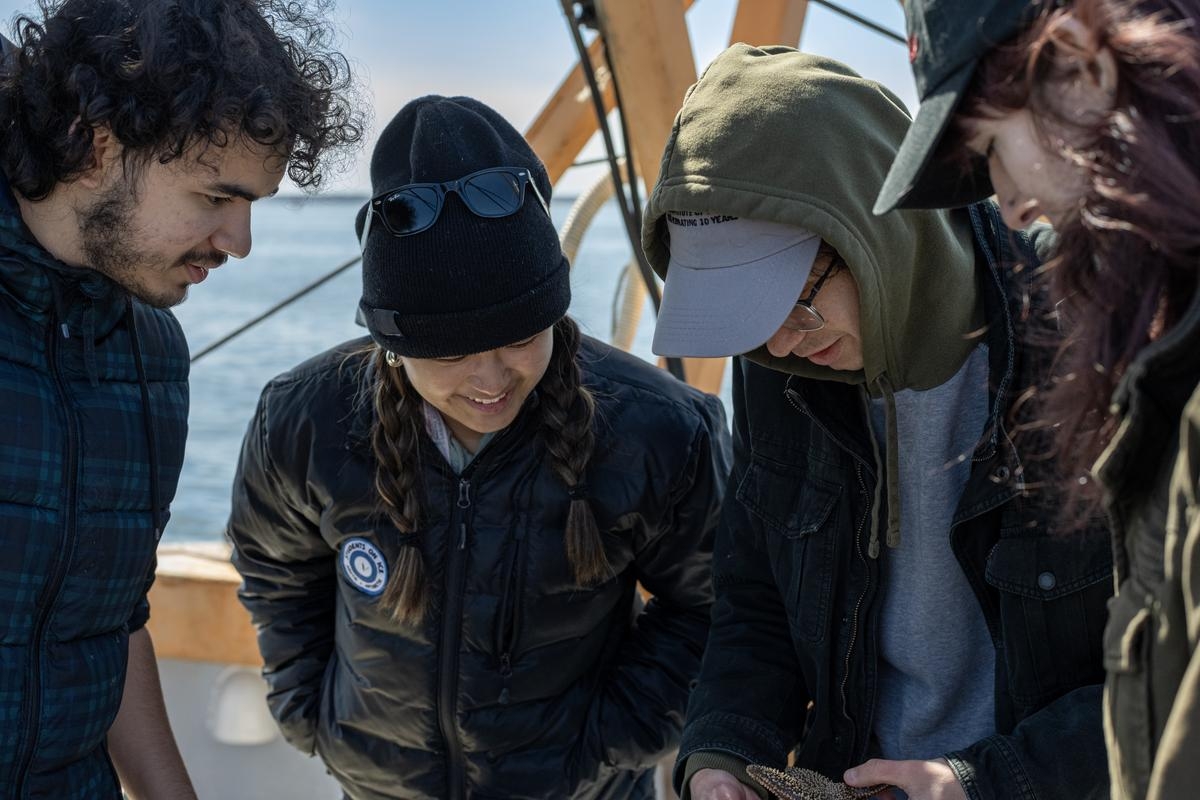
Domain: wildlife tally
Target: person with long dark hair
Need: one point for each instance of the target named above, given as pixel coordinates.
(1088, 112)
(441, 528)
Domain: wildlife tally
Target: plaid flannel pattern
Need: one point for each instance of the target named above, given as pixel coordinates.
(77, 540)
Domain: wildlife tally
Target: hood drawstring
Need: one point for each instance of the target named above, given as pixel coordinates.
(147, 421)
(889, 464)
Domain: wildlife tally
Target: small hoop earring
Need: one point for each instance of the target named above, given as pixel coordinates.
(392, 359)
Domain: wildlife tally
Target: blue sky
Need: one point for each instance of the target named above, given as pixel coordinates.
(512, 54)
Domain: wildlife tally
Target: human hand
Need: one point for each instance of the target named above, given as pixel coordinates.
(717, 784)
(921, 780)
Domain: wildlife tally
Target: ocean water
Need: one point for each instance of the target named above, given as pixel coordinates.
(296, 241)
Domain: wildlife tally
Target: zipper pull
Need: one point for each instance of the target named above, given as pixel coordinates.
(464, 493)
(505, 673)
(462, 536)
(65, 329)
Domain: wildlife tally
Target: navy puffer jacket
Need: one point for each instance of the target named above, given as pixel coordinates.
(90, 382)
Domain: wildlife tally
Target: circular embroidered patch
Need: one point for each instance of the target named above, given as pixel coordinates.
(364, 566)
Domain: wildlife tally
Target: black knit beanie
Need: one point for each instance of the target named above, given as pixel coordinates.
(468, 283)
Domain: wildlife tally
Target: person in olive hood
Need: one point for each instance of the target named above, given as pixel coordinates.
(441, 528)
(893, 602)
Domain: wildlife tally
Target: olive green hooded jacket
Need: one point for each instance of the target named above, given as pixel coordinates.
(915, 271)
(1151, 474)
(765, 134)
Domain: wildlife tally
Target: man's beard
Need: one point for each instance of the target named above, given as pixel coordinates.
(109, 238)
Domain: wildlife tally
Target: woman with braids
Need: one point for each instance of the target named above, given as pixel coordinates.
(1088, 112)
(441, 528)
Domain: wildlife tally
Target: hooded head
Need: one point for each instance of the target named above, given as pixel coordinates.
(800, 144)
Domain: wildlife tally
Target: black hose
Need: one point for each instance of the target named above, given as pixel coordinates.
(866, 23)
(635, 195)
(632, 223)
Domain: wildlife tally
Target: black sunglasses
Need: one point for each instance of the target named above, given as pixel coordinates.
(493, 192)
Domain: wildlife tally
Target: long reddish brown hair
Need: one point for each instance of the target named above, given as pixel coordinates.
(1126, 265)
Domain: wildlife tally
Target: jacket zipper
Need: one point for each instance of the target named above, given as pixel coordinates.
(862, 485)
(33, 696)
(791, 395)
(510, 608)
(451, 637)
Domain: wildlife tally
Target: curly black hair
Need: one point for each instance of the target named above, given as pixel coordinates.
(167, 75)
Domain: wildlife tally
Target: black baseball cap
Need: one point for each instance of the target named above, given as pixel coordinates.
(946, 40)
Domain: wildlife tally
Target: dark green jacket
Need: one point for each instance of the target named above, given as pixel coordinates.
(1151, 472)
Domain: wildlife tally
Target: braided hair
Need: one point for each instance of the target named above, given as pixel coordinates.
(395, 438)
(567, 410)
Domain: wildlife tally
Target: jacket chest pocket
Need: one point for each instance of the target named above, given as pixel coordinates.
(1053, 594)
(797, 513)
(1127, 695)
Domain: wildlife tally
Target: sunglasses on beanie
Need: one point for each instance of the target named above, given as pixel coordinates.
(414, 207)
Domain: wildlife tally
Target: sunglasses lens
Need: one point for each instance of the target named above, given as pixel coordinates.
(410, 210)
(493, 194)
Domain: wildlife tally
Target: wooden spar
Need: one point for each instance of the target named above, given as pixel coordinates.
(763, 22)
(651, 55)
(567, 122)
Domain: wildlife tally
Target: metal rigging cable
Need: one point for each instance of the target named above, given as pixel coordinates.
(284, 303)
(866, 23)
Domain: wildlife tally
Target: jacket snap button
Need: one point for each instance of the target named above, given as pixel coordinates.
(1047, 581)
(1001, 474)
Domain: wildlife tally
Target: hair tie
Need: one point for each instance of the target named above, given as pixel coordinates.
(409, 540)
(578, 492)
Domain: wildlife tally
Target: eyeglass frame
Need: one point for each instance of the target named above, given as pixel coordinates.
(835, 265)
(375, 204)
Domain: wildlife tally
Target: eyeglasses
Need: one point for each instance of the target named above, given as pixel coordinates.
(803, 317)
(410, 209)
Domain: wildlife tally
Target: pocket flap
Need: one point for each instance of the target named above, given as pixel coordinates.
(1044, 568)
(791, 502)
(1125, 633)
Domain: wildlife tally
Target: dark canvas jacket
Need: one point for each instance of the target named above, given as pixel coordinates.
(1151, 473)
(90, 381)
(794, 138)
(518, 683)
(797, 594)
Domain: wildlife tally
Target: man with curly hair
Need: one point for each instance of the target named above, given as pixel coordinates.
(134, 137)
